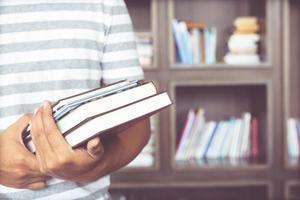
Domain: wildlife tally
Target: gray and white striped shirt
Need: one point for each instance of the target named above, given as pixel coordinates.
(50, 49)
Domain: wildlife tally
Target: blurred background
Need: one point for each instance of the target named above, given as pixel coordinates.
(232, 68)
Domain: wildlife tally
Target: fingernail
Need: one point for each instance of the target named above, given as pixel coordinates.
(45, 104)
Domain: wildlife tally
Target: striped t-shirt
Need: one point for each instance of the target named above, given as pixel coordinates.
(50, 49)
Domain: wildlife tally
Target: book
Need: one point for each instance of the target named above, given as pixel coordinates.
(245, 21)
(254, 139)
(111, 112)
(183, 142)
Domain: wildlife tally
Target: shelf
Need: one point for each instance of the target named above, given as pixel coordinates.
(211, 12)
(213, 192)
(218, 66)
(221, 102)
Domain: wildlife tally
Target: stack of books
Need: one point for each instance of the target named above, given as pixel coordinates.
(145, 49)
(195, 43)
(104, 111)
(147, 157)
(293, 139)
(233, 141)
(243, 44)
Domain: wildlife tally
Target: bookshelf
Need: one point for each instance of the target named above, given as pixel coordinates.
(267, 90)
(220, 101)
(211, 12)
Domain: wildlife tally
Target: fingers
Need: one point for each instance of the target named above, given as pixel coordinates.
(55, 137)
(95, 148)
(39, 137)
(37, 185)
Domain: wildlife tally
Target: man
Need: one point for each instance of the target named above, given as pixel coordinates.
(50, 49)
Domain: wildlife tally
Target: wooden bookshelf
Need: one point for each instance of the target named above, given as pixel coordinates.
(211, 12)
(268, 90)
(222, 99)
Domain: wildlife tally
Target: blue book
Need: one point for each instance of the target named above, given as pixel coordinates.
(211, 139)
(187, 47)
(179, 42)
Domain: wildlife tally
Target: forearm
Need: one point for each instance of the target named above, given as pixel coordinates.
(120, 150)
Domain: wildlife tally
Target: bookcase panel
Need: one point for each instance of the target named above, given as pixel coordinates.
(295, 59)
(211, 193)
(144, 14)
(221, 102)
(140, 12)
(292, 82)
(212, 13)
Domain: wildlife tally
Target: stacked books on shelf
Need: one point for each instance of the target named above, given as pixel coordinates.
(145, 48)
(293, 139)
(233, 141)
(195, 43)
(147, 157)
(243, 44)
(104, 111)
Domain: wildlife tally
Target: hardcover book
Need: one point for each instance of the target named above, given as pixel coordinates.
(104, 111)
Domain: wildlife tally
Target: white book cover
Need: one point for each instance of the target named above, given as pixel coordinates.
(207, 134)
(196, 45)
(186, 135)
(237, 131)
(292, 139)
(195, 132)
(196, 137)
(244, 38)
(245, 147)
(214, 149)
(228, 139)
(238, 59)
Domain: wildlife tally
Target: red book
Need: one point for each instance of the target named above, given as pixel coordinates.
(254, 139)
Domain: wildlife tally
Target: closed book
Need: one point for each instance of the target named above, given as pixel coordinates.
(216, 145)
(245, 21)
(201, 148)
(242, 59)
(292, 139)
(234, 147)
(254, 139)
(246, 38)
(185, 135)
(196, 135)
(245, 137)
(109, 114)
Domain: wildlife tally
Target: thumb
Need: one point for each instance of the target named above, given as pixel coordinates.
(37, 186)
(95, 148)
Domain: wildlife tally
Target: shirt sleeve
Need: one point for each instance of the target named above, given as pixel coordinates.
(120, 57)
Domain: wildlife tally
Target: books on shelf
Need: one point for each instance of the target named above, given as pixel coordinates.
(195, 43)
(104, 111)
(145, 49)
(233, 141)
(147, 157)
(243, 44)
(293, 139)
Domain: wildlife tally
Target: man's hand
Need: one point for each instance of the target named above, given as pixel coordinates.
(18, 167)
(55, 156)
